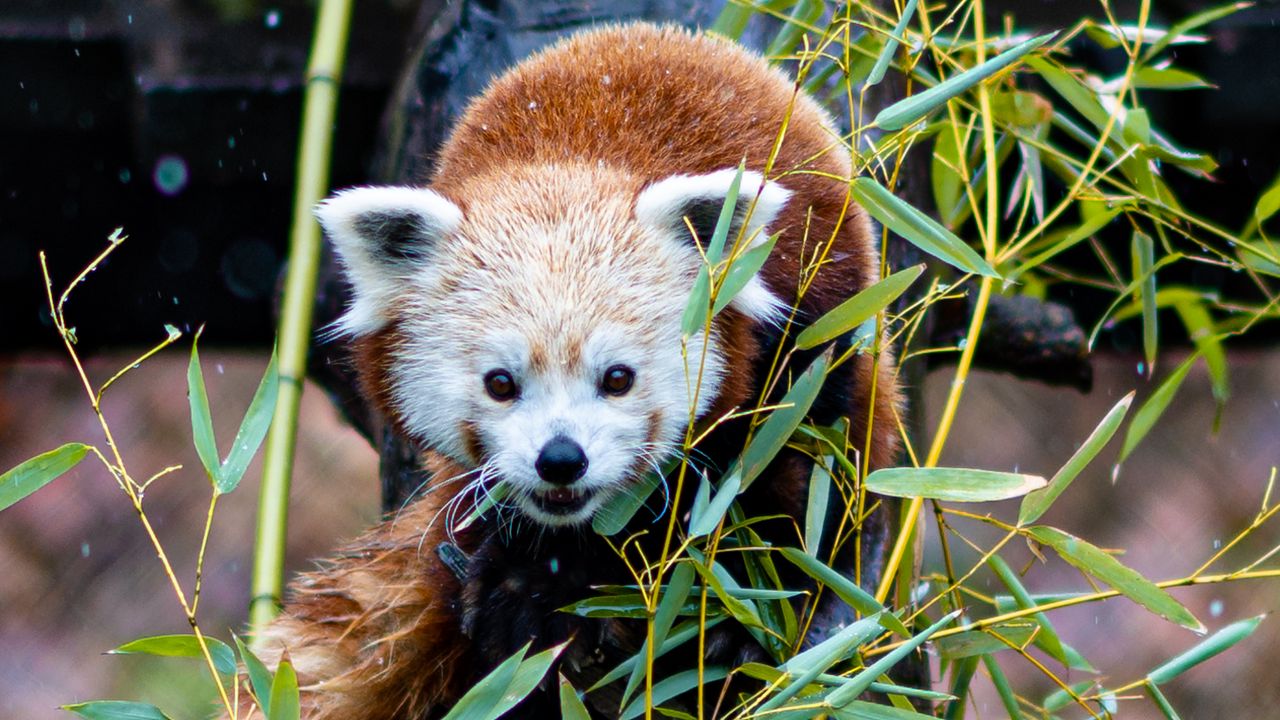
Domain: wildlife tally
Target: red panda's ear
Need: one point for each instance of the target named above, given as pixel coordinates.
(666, 204)
(381, 235)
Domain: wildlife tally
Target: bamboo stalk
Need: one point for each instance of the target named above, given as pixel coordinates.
(324, 72)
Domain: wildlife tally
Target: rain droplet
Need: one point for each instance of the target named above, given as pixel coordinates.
(170, 175)
(219, 366)
(1142, 367)
(84, 549)
(125, 175)
(1215, 608)
(555, 565)
(1217, 543)
(1115, 473)
(264, 176)
(272, 19)
(533, 104)
(606, 80)
(231, 141)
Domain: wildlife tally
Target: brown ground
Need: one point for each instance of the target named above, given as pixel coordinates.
(80, 578)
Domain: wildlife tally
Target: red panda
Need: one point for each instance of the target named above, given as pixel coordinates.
(519, 318)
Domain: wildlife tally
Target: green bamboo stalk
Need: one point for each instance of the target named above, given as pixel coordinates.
(324, 74)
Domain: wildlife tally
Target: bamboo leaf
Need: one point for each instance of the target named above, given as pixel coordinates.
(682, 633)
(721, 583)
(944, 175)
(285, 704)
(805, 13)
(984, 642)
(253, 429)
(863, 710)
(1038, 501)
(485, 696)
(1007, 697)
(571, 705)
(677, 591)
(704, 522)
(39, 471)
(201, 419)
(1126, 581)
(846, 589)
(259, 676)
(1200, 328)
(853, 312)
(181, 646)
(675, 685)
(116, 710)
(740, 271)
(1205, 649)
(891, 45)
(1147, 415)
(617, 511)
(1143, 251)
(695, 311)
(1154, 78)
(1084, 231)
(1162, 702)
(527, 676)
(917, 228)
(1076, 93)
(905, 112)
(806, 666)
(1047, 639)
(1180, 29)
(815, 516)
(859, 683)
(1059, 699)
(782, 422)
(952, 484)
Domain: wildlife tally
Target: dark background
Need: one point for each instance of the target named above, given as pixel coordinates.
(177, 120)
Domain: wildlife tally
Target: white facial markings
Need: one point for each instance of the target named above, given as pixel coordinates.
(555, 295)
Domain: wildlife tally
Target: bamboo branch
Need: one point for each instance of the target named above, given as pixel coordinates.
(323, 76)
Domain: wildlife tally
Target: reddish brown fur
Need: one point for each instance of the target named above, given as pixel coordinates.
(373, 631)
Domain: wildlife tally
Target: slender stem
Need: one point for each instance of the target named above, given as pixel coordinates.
(323, 76)
(1082, 599)
(204, 544)
(118, 469)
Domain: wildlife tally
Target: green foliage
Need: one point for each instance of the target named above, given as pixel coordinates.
(1086, 159)
(39, 471)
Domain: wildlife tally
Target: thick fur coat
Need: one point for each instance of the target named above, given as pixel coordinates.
(552, 238)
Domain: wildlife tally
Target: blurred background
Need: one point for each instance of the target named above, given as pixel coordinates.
(177, 120)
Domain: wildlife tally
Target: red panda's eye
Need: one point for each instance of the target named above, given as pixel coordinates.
(617, 380)
(500, 384)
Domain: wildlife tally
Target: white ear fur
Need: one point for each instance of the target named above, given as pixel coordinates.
(382, 234)
(664, 204)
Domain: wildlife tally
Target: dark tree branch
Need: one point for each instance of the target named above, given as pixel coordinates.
(1023, 336)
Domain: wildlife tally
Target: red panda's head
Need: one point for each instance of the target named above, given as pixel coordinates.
(536, 319)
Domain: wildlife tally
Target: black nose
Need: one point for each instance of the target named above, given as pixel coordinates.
(561, 461)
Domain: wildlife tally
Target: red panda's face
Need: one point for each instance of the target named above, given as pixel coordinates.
(538, 332)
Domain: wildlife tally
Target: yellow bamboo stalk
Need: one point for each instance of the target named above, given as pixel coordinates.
(906, 535)
(324, 72)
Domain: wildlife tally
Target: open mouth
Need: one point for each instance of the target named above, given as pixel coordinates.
(562, 501)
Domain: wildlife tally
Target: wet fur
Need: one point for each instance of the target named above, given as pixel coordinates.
(384, 629)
